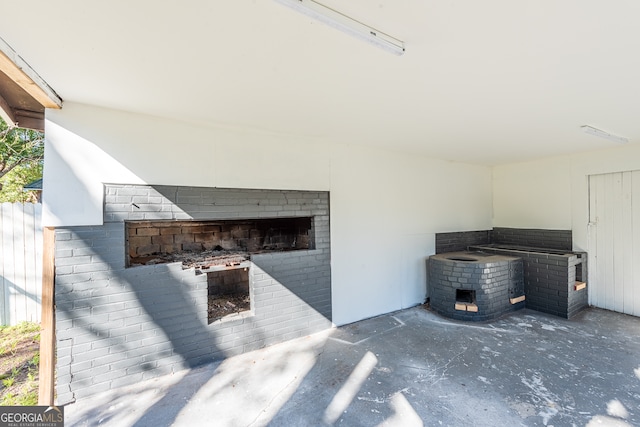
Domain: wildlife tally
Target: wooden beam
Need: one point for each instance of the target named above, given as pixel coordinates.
(24, 76)
(6, 112)
(47, 329)
(579, 286)
(472, 308)
(517, 299)
(461, 307)
(29, 119)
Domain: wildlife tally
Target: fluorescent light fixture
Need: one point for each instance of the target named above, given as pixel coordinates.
(602, 134)
(350, 26)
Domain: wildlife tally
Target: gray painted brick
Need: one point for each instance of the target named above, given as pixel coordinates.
(64, 397)
(128, 191)
(170, 361)
(88, 268)
(139, 336)
(87, 356)
(138, 351)
(65, 245)
(109, 376)
(115, 332)
(147, 295)
(82, 342)
(152, 339)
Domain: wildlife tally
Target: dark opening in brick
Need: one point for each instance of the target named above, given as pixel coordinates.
(157, 242)
(465, 296)
(228, 293)
(580, 269)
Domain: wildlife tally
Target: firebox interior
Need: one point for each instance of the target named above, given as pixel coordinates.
(156, 242)
(465, 296)
(228, 293)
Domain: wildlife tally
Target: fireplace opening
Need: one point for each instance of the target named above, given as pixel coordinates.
(464, 296)
(219, 242)
(228, 293)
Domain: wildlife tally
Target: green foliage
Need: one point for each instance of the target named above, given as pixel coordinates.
(24, 327)
(35, 360)
(8, 347)
(28, 398)
(21, 156)
(19, 364)
(12, 188)
(9, 400)
(24, 398)
(29, 391)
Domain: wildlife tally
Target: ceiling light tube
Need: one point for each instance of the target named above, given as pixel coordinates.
(602, 134)
(346, 24)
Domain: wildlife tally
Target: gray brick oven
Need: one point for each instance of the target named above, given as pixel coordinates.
(475, 286)
(553, 275)
(120, 320)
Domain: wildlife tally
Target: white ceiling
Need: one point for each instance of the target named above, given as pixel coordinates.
(483, 82)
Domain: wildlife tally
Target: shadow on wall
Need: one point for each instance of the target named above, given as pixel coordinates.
(18, 304)
(117, 326)
(291, 289)
(126, 331)
(20, 262)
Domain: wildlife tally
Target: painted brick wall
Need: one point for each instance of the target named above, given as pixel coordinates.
(116, 325)
(494, 281)
(460, 241)
(534, 238)
(549, 280)
(577, 300)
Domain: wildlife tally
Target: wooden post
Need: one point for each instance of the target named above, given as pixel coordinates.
(48, 324)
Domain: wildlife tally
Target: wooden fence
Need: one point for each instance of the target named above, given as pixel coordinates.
(20, 262)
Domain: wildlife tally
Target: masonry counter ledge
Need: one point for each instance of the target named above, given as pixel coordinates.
(475, 285)
(554, 279)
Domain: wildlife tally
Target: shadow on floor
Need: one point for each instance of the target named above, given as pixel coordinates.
(407, 368)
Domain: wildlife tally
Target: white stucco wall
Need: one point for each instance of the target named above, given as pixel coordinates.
(385, 207)
(554, 193)
(385, 210)
(533, 194)
(88, 146)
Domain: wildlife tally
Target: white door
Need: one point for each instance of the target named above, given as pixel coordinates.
(614, 247)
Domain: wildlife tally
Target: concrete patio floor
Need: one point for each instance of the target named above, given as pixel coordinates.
(408, 368)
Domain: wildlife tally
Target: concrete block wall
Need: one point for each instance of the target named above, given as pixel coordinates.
(117, 325)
